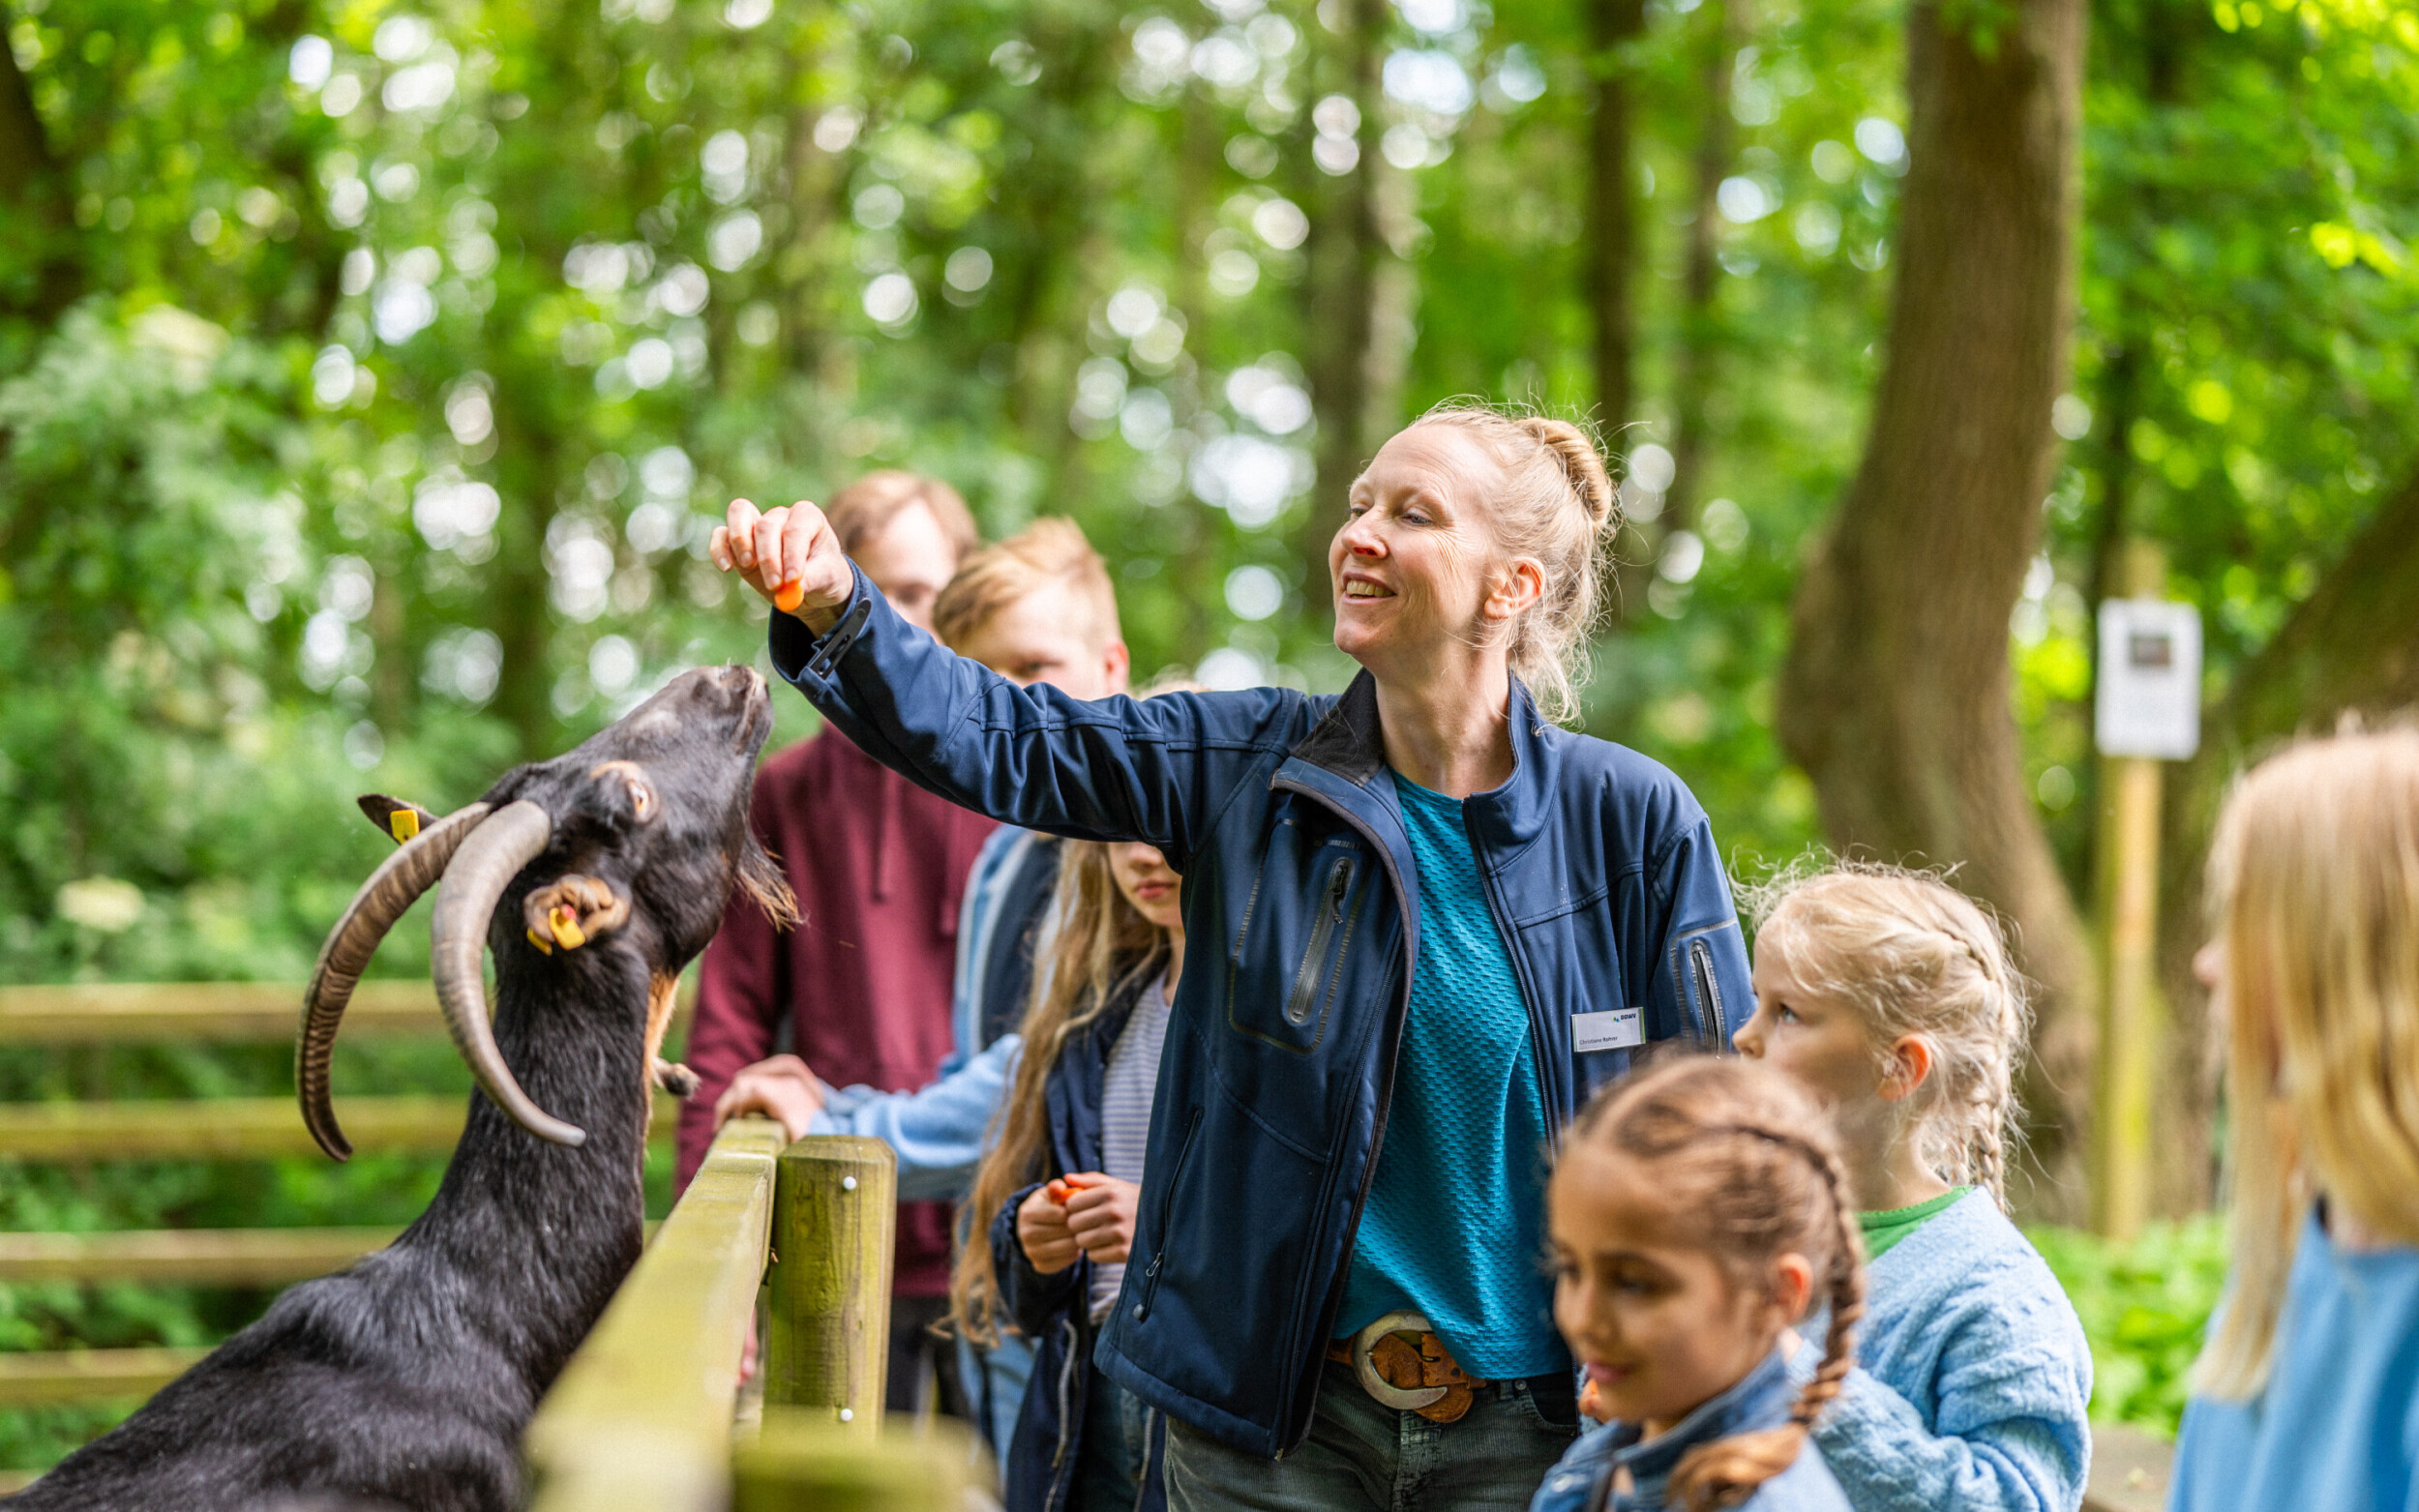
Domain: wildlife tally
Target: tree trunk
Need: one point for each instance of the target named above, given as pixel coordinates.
(1896, 694)
(2350, 648)
(37, 230)
(1692, 363)
(1611, 253)
(1345, 248)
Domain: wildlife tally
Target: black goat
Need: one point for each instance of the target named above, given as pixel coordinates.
(407, 1379)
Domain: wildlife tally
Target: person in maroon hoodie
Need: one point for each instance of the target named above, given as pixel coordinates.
(862, 984)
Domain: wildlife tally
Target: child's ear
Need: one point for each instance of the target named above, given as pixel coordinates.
(1910, 1062)
(1793, 1285)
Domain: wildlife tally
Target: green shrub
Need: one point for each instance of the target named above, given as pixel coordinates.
(2144, 1305)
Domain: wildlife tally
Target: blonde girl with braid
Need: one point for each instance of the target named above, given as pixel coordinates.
(1890, 998)
(1699, 1211)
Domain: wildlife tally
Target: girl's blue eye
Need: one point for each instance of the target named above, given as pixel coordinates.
(1787, 1013)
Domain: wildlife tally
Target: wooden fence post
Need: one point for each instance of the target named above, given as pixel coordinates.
(802, 1462)
(2131, 1016)
(834, 1214)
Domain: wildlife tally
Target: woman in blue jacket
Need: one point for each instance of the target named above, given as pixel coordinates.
(1426, 922)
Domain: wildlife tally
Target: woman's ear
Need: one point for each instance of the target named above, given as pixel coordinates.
(1519, 584)
(1910, 1062)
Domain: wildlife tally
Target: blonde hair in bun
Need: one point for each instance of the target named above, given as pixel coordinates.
(1558, 506)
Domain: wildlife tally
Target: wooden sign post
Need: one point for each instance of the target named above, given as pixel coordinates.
(2147, 710)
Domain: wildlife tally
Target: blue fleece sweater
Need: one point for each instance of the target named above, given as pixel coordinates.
(1974, 1380)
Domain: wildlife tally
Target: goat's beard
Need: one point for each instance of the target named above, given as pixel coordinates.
(759, 877)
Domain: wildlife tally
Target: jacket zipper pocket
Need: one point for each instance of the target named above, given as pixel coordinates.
(1167, 1200)
(1708, 995)
(1313, 973)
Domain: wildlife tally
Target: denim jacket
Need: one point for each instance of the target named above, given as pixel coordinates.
(1301, 898)
(1583, 1482)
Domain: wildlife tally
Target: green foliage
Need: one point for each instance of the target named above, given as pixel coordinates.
(2145, 1306)
(418, 344)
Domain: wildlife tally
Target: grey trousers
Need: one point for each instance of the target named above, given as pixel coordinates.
(1362, 1457)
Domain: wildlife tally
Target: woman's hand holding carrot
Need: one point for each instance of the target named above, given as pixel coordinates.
(789, 555)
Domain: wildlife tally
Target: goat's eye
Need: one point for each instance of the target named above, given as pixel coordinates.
(634, 782)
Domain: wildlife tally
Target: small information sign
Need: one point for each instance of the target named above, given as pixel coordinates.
(2148, 701)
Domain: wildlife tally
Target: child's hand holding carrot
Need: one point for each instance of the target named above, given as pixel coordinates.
(1042, 1227)
(1100, 1215)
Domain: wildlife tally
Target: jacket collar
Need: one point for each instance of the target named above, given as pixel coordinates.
(1347, 743)
(1760, 1400)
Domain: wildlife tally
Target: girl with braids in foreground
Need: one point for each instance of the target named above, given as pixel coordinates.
(1699, 1210)
(1890, 996)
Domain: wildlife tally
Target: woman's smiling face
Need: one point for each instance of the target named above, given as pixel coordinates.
(1413, 564)
(1657, 1324)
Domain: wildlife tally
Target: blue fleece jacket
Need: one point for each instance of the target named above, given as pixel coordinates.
(1973, 1381)
(2338, 1426)
(1761, 1400)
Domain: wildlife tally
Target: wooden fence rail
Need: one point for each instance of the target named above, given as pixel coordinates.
(238, 1128)
(187, 1257)
(221, 1013)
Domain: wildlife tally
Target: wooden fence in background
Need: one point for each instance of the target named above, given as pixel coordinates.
(223, 1128)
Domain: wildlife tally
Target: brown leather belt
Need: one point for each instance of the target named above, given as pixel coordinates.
(1401, 1352)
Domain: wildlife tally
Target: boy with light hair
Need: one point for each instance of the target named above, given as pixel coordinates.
(1038, 607)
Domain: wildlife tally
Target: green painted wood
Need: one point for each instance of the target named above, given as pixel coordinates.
(187, 1257)
(46, 1378)
(803, 1461)
(237, 1128)
(640, 1421)
(834, 1219)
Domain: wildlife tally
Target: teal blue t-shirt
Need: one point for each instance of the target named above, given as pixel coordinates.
(1454, 1223)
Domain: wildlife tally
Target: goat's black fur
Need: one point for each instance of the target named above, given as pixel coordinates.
(407, 1379)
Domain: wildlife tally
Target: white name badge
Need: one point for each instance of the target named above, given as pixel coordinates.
(1619, 1029)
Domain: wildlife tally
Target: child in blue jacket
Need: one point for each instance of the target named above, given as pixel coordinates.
(1888, 994)
(1697, 1211)
(2308, 1392)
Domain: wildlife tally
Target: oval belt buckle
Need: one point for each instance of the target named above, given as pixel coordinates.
(1383, 1392)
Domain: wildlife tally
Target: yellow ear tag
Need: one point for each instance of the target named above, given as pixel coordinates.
(404, 824)
(539, 940)
(564, 921)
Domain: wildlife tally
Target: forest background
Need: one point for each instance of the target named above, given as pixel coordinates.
(370, 375)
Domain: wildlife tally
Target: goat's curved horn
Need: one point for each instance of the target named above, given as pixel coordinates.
(397, 883)
(513, 836)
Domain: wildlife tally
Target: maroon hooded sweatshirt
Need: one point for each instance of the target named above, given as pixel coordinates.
(879, 866)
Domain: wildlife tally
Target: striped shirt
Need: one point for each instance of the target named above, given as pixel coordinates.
(1126, 1089)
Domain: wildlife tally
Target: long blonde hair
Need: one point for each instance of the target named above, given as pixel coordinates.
(2314, 886)
(1752, 1173)
(1913, 956)
(1558, 506)
(1103, 949)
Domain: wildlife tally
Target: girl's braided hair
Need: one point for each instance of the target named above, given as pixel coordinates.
(1752, 1173)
